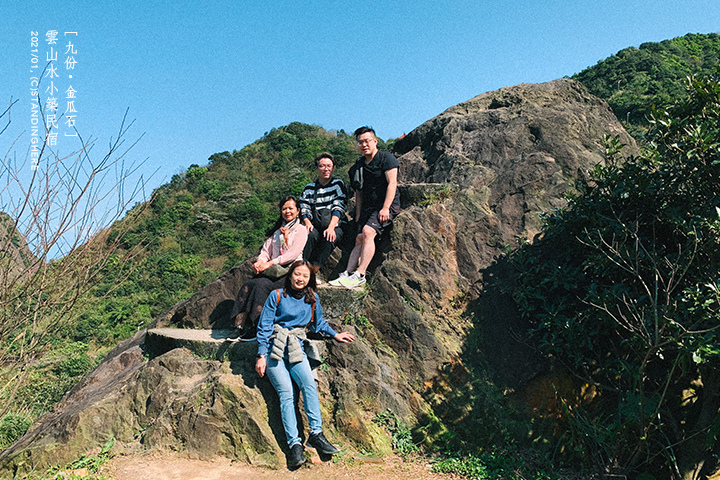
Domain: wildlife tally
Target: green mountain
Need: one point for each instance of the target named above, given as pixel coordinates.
(635, 79)
(208, 219)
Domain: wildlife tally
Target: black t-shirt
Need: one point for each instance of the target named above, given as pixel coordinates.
(369, 178)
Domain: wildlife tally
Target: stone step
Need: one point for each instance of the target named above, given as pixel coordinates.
(209, 344)
(336, 303)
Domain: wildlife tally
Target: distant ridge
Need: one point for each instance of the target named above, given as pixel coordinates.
(635, 79)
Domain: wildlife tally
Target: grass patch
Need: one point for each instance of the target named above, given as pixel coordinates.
(12, 427)
(85, 468)
(402, 441)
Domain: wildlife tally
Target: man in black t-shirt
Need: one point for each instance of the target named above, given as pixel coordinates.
(377, 202)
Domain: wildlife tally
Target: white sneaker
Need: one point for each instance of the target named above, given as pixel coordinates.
(354, 280)
(336, 282)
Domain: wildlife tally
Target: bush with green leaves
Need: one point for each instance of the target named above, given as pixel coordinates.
(402, 440)
(508, 462)
(12, 427)
(624, 290)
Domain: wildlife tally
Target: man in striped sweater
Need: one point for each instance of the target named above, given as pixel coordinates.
(322, 208)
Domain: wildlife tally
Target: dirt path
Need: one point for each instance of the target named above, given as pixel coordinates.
(175, 467)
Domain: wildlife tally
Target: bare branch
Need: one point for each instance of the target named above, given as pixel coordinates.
(56, 242)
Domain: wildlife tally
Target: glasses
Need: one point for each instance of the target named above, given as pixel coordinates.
(366, 142)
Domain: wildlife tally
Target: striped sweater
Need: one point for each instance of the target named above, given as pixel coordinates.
(319, 197)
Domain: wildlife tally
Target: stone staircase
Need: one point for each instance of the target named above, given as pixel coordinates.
(337, 304)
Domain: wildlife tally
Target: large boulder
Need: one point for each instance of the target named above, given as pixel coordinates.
(510, 155)
(478, 176)
(506, 157)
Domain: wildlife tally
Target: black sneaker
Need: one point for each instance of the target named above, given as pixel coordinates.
(235, 334)
(321, 444)
(295, 457)
(249, 335)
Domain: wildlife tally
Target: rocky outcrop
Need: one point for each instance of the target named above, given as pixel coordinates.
(174, 401)
(476, 179)
(509, 155)
(505, 157)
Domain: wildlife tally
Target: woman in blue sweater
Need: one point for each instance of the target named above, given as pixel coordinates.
(280, 335)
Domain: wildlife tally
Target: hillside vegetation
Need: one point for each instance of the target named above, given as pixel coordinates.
(635, 79)
(210, 218)
(623, 293)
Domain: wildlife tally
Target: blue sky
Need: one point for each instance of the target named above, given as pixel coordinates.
(206, 77)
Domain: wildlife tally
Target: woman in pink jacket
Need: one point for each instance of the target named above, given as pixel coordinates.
(285, 244)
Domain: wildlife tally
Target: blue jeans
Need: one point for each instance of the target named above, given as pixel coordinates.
(280, 374)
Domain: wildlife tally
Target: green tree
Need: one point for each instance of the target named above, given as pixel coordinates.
(624, 290)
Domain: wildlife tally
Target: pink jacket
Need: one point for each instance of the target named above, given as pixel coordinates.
(272, 248)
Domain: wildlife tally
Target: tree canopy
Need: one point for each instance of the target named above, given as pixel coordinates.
(623, 291)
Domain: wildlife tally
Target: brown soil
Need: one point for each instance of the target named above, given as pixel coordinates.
(169, 466)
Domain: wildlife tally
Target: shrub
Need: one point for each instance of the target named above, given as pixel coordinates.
(12, 427)
(623, 289)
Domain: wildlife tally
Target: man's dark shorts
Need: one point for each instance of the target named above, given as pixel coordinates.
(370, 218)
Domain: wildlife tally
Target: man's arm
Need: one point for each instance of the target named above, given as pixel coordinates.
(329, 232)
(391, 177)
(338, 211)
(306, 206)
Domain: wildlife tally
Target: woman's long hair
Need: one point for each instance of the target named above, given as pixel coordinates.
(309, 290)
(279, 221)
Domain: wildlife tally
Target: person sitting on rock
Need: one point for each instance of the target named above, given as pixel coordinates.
(281, 331)
(377, 202)
(285, 244)
(322, 209)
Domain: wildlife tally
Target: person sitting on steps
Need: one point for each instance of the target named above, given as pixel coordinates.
(322, 209)
(285, 317)
(377, 201)
(285, 244)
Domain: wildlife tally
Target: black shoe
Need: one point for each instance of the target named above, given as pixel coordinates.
(249, 335)
(235, 334)
(321, 444)
(296, 456)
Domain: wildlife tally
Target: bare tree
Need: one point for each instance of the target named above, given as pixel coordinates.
(55, 242)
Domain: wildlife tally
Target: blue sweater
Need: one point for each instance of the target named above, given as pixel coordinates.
(290, 313)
